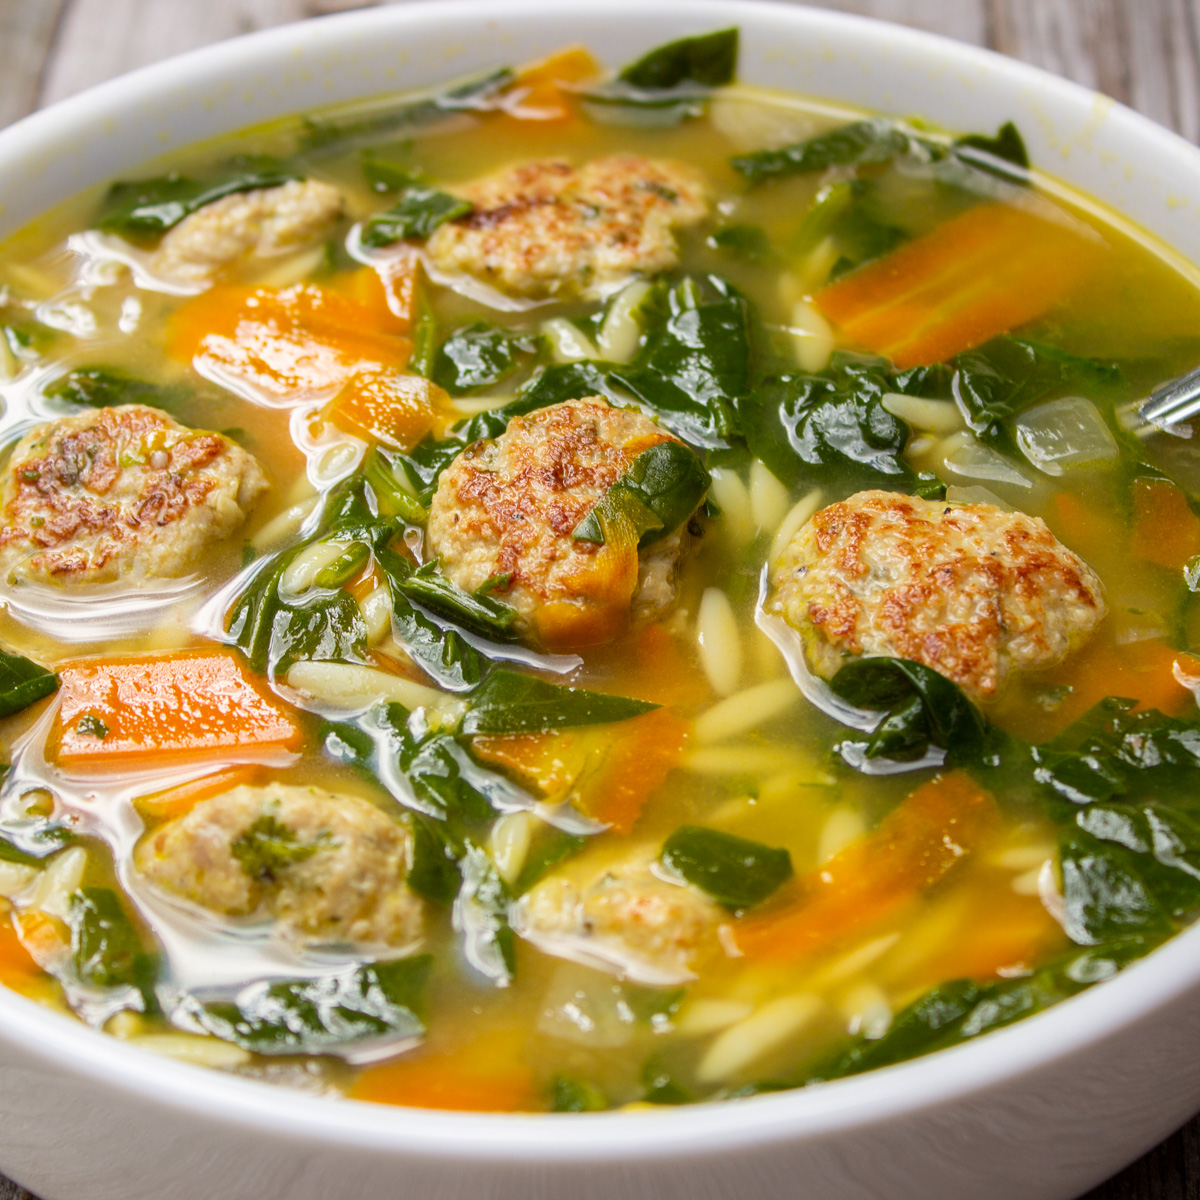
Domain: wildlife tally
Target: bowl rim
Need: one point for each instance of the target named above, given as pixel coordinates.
(64, 1045)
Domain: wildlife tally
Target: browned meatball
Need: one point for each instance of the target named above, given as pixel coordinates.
(325, 868)
(121, 492)
(550, 229)
(509, 506)
(968, 589)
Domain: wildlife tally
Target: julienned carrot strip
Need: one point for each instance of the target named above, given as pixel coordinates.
(988, 270)
(284, 343)
(608, 771)
(132, 709)
(1165, 530)
(536, 92)
(397, 410)
(454, 1081)
(914, 847)
(175, 801)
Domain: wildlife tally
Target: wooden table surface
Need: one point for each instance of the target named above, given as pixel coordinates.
(1145, 53)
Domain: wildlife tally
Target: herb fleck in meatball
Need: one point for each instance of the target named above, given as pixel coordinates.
(120, 492)
(508, 508)
(547, 228)
(325, 868)
(258, 224)
(627, 918)
(970, 590)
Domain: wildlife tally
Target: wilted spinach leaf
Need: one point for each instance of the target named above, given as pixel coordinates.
(998, 154)
(694, 367)
(482, 614)
(1008, 374)
(376, 1001)
(417, 214)
(922, 709)
(658, 492)
(479, 355)
(22, 683)
(857, 144)
(106, 949)
(152, 206)
(481, 914)
(709, 59)
(568, 1094)
(547, 852)
(510, 702)
(734, 871)
(745, 241)
(104, 387)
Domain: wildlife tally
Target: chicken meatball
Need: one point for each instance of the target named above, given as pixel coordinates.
(123, 492)
(325, 868)
(507, 508)
(258, 224)
(547, 228)
(626, 919)
(970, 590)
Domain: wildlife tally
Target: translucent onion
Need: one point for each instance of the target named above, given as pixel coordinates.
(1064, 435)
(969, 458)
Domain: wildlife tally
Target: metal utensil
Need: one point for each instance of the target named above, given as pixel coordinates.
(1167, 408)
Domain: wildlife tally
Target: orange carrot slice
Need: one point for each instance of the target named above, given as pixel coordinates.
(17, 967)
(198, 704)
(387, 290)
(913, 848)
(608, 772)
(283, 343)
(537, 93)
(484, 1076)
(981, 274)
(397, 410)
(1165, 530)
(175, 801)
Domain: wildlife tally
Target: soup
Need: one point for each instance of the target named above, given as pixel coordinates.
(577, 592)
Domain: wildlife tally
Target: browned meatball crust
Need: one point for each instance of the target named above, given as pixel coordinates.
(970, 590)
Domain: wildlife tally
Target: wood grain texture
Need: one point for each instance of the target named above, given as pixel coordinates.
(1145, 53)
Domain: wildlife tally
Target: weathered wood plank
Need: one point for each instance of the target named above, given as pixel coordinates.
(27, 32)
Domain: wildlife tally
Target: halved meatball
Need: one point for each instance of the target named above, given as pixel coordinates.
(325, 868)
(258, 224)
(509, 507)
(970, 590)
(626, 919)
(547, 228)
(122, 492)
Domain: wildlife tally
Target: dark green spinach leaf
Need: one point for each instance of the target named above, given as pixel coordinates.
(267, 847)
(106, 949)
(417, 214)
(658, 492)
(373, 1002)
(479, 355)
(22, 683)
(709, 59)
(734, 871)
(510, 702)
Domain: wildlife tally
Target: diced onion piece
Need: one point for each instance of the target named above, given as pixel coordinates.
(752, 120)
(746, 710)
(768, 497)
(568, 343)
(813, 340)
(969, 458)
(935, 416)
(15, 878)
(1065, 434)
(720, 641)
(620, 334)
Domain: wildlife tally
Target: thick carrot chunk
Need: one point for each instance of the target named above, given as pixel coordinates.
(913, 848)
(608, 772)
(981, 274)
(196, 704)
(387, 290)
(1165, 530)
(283, 344)
(397, 410)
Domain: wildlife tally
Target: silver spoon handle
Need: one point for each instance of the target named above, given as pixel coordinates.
(1173, 402)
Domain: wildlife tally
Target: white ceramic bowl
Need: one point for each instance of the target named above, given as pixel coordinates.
(1039, 1111)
